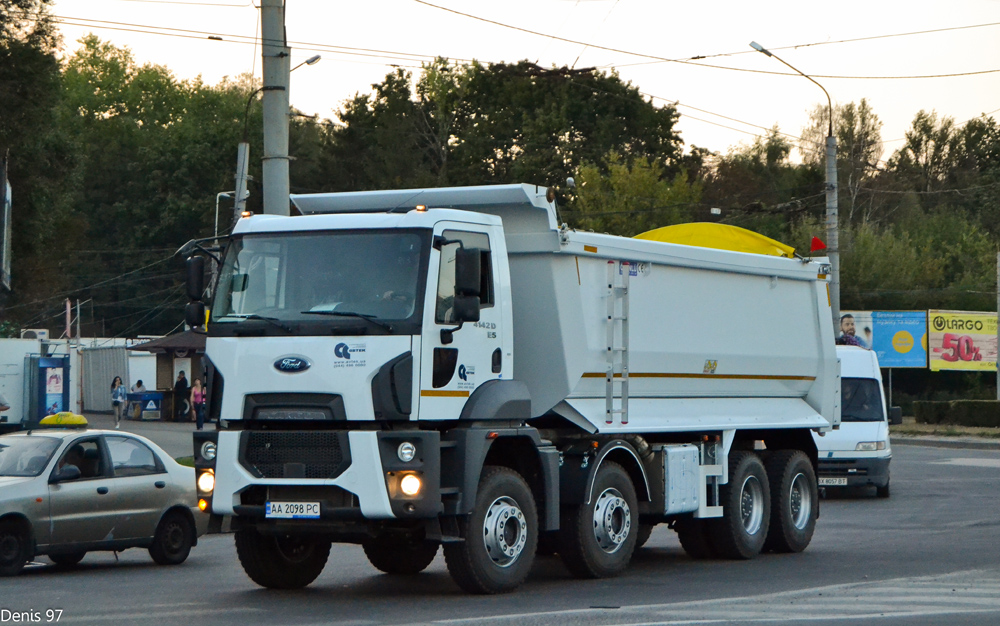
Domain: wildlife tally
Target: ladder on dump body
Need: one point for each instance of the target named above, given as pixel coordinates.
(617, 321)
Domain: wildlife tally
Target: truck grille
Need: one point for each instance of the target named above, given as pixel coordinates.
(296, 454)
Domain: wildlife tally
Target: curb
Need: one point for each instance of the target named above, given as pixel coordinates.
(946, 442)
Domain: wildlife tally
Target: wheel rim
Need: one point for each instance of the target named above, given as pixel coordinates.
(612, 520)
(800, 501)
(294, 549)
(173, 538)
(505, 531)
(10, 549)
(752, 505)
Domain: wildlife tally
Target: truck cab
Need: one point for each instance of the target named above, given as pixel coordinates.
(859, 452)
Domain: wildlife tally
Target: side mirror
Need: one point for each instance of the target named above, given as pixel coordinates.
(895, 415)
(194, 314)
(67, 473)
(466, 309)
(195, 277)
(467, 272)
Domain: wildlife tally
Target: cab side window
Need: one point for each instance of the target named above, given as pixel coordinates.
(86, 456)
(130, 457)
(443, 312)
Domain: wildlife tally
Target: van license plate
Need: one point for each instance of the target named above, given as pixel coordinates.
(291, 510)
(832, 482)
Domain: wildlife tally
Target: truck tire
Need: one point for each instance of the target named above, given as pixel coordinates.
(173, 539)
(281, 561)
(695, 537)
(399, 554)
(642, 536)
(501, 535)
(13, 548)
(597, 539)
(746, 512)
(794, 501)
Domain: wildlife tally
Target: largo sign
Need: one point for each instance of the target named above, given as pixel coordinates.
(962, 340)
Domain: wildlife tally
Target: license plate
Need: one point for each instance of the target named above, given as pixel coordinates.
(292, 510)
(832, 482)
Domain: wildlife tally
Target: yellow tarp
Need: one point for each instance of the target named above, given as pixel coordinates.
(720, 237)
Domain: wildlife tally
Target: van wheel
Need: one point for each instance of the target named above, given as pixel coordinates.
(281, 561)
(598, 539)
(883, 492)
(695, 537)
(173, 539)
(13, 548)
(501, 535)
(794, 501)
(746, 512)
(399, 554)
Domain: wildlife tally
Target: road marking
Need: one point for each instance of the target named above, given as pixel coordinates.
(142, 613)
(970, 462)
(974, 591)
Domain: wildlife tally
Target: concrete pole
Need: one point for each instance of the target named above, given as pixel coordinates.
(275, 103)
(242, 166)
(833, 227)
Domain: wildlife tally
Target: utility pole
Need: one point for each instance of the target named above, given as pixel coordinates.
(276, 63)
(242, 167)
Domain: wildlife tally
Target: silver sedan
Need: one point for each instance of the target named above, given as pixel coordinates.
(65, 492)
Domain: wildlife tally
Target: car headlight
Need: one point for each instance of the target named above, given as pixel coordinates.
(866, 446)
(410, 484)
(208, 450)
(406, 451)
(206, 481)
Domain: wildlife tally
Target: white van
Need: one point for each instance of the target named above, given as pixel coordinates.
(858, 453)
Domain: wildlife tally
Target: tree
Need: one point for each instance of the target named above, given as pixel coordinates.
(924, 161)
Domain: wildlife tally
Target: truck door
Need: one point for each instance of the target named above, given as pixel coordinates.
(450, 372)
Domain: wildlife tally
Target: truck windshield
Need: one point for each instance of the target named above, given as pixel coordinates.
(328, 275)
(862, 401)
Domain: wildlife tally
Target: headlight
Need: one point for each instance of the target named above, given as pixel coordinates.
(865, 446)
(406, 451)
(206, 481)
(410, 484)
(208, 450)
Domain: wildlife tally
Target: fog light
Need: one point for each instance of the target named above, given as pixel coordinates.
(208, 450)
(202, 504)
(410, 485)
(206, 481)
(406, 451)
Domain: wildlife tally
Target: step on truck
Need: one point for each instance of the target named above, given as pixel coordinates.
(451, 369)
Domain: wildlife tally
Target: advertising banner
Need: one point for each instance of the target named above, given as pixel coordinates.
(900, 338)
(962, 340)
(858, 327)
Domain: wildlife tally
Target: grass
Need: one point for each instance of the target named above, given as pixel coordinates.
(944, 430)
(185, 460)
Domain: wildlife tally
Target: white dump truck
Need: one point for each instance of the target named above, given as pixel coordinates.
(413, 369)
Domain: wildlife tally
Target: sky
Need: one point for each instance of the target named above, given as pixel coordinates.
(855, 49)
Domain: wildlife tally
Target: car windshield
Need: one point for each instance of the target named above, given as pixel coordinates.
(26, 456)
(862, 401)
(328, 275)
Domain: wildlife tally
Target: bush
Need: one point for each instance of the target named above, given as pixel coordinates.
(959, 412)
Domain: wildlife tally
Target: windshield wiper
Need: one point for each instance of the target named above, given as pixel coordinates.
(365, 316)
(253, 316)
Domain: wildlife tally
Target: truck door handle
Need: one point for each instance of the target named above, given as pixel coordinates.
(102, 490)
(497, 361)
(159, 484)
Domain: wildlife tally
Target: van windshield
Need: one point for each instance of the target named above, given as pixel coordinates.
(862, 401)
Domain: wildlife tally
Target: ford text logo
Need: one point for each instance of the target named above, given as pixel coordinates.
(291, 364)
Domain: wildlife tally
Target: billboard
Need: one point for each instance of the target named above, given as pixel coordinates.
(962, 340)
(899, 338)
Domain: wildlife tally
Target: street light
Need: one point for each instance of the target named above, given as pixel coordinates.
(832, 218)
(313, 60)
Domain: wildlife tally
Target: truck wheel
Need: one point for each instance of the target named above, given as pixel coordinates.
(695, 537)
(598, 539)
(746, 512)
(281, 561)
(173, 539)
(794, 501)
(883, 492)
(501, 535)
(67, 559)
(642, 536)
(13, 548)
(399, 554)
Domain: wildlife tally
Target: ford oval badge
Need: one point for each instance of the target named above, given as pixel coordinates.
(291, 364)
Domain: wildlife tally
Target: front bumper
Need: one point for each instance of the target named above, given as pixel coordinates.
(858, 472)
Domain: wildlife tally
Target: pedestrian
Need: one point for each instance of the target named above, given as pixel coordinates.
(118, 399)
(198, 402)
(138, 387)
(181, 408)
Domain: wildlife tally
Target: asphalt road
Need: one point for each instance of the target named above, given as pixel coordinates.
(928, 555)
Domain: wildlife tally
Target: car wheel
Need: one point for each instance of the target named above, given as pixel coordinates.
(281, 561)
(67, 559)
(400, 554)
(13, 548)
(173, 539)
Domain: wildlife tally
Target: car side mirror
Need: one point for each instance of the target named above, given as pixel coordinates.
(467, 272)
(195, 277)
(67, 473)
(895, 415)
